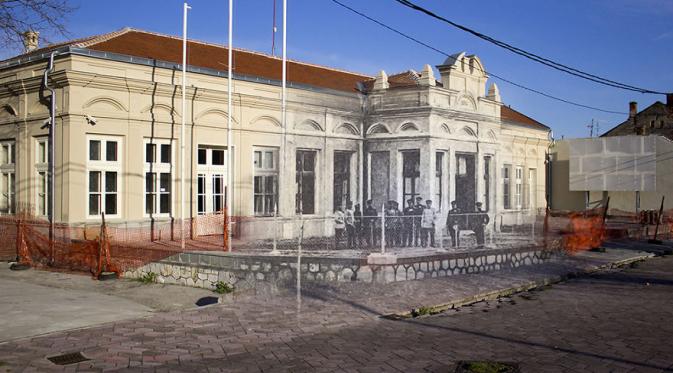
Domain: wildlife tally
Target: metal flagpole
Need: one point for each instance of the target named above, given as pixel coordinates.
(283, 116)
(230, 151)
(284, 135)
(185, 8)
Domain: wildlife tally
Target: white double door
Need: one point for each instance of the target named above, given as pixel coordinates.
(211, 190)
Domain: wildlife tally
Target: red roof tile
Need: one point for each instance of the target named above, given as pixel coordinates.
(167, 48)
(511, 115)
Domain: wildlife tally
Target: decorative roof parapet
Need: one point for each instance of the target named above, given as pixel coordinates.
(427, 76)
(381, 81)
(494, 93)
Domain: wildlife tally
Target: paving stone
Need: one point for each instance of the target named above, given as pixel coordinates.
(612, 322)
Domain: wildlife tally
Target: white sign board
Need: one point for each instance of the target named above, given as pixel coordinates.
(618, 163)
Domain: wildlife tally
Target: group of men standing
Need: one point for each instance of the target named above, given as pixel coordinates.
(413, 226)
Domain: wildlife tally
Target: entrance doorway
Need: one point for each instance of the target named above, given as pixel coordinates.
(466, 182)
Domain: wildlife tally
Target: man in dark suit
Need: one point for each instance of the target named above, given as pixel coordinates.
(453, 224)
(479, 222)
(417, 220)
(408, 225)
(369, 222)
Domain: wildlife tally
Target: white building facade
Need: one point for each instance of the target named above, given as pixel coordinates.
(348, 137)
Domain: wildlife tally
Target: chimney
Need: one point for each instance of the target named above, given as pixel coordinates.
(31, 40)
(633, 109)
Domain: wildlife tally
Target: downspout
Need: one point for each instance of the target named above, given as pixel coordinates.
(525, 198)
(478, 191)
(549, 176)
(361, 146)
(52, 168)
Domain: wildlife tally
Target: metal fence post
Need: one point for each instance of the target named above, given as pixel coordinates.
(492, 231)
(441, 236)
(275, 230)
(383, 228)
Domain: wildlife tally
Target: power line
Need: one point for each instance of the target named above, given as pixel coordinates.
(532, 56)
(417, 41)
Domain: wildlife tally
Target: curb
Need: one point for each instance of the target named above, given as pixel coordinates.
(505, 292)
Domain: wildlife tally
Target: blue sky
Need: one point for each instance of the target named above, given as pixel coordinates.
(630, 41)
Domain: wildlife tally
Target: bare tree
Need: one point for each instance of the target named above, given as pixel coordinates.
(44, 16)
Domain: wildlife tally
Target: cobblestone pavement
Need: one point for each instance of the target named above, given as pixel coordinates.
(617, 321)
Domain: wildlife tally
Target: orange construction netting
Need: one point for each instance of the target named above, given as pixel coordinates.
(575, 231)
(102, 248)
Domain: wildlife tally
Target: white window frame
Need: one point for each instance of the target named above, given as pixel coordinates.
(8, 177)
(532, 189)
(507, 187)
(265, 172)
(439, 176)
(104, 166)
(316, 179)
(210, 172)
(157, 167)
(201, 195)
(518, 187)
(42, 174)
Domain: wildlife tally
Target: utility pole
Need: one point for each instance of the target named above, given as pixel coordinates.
(591, 128)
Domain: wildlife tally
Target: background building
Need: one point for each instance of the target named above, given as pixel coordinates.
(630, 163)
(348, 136)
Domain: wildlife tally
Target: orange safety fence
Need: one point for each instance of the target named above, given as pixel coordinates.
(97, 248)
(574, 231)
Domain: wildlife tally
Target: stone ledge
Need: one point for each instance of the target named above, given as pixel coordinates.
(381, 259)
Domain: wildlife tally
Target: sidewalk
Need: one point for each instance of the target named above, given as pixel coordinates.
(35, 302)
(220, 335)
(401, 297)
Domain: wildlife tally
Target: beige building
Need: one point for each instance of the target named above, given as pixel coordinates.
(348, 137)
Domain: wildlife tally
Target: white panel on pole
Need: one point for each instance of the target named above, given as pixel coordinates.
(616, 163)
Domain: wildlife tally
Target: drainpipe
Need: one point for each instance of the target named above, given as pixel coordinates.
(549, 179)
(52, 168)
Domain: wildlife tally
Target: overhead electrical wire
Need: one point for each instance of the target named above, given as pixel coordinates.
(532, 56)
(417, 41)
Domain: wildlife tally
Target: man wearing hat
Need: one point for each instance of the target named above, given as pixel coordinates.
(479, 222)
(453, 224)
(428, 220)
(408, 224)
(370, 221)
(418, 212)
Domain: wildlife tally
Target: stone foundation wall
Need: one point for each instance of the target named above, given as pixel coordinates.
(244, 272)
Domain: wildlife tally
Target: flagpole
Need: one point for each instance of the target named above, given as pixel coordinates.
(230, 152)
(283, 115)
(185, 8)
